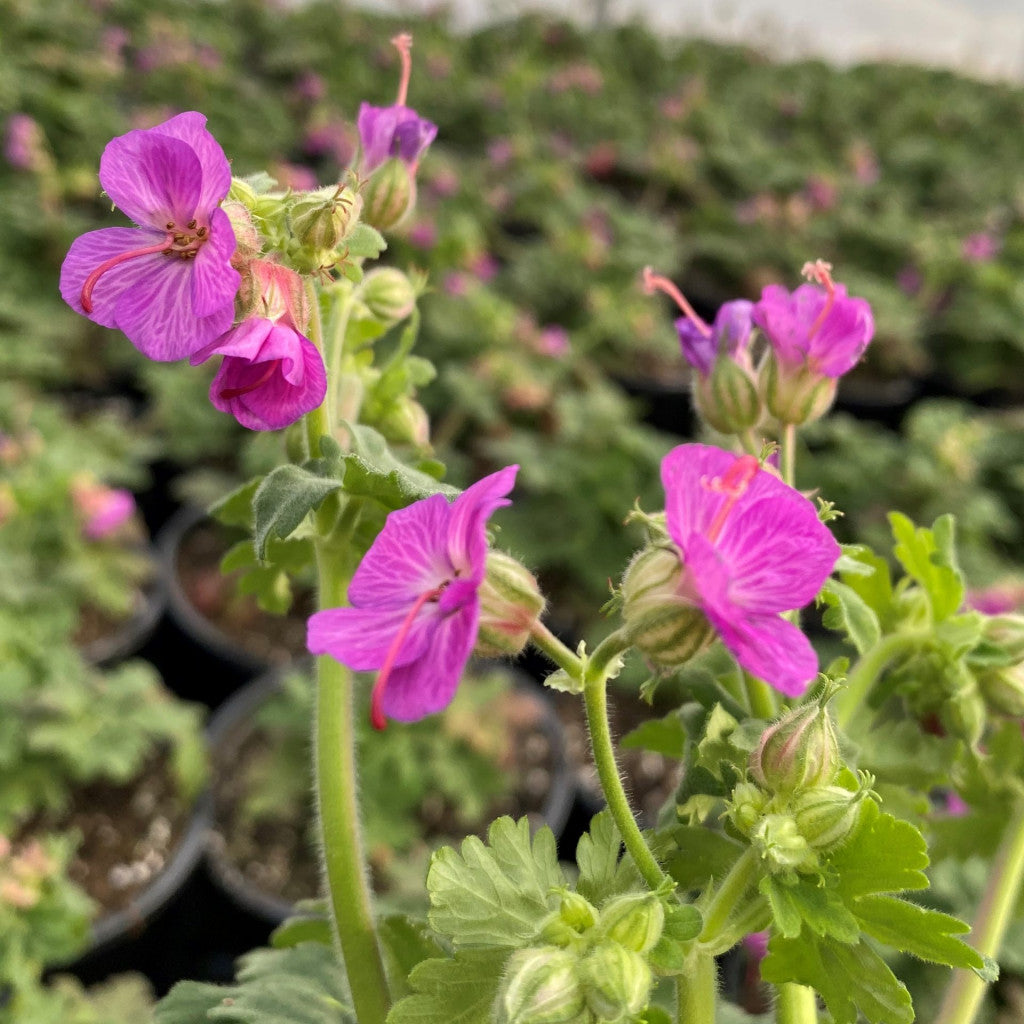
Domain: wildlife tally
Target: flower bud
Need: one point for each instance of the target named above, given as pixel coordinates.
(746, 806)
(389, 195)
(780, 844)
(727, 398)
(510, 603)
(634, 920)
(242, 192)
(322, 219)
(827, 816)
(1006, 632)
(617, 982)
(574, 916)
(1002, 689)
(964, 715)
(798, 751)
(405, 422)
(795, 394)
(388, 294)
(663, 625)
(540, 986)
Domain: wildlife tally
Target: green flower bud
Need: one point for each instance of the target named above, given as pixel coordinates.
(727, 398)
(541, 986)
(1007, 632)
(389, 195)
(242, 192)
(574, 916)
(746, 806)
(634, 920)
(800, 750)
(405, 422)
(795, 394)
(510, 603)
(1002, 689)
(322, 219)
(664, 626)
(964, 715)
(616, 981)
(827, 816)
(780, 844)
(388, 294)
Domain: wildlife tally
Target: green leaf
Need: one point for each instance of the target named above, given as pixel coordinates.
(867, 574)
(406, 943)
(848, 977)
(925, 933)
(662, 735)
(460, 990)
(704, 854)
(683, 923)
(603, 872)
(928, 556)
(235, 509)
(364, 242)
(819, 907)
(284, 498)
(311, 924)
(849, 613)
(495, 895)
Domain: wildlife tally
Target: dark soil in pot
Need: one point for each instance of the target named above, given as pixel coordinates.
(267, 861)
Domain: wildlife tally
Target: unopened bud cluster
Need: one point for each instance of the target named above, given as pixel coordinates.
(801, 805)
(592, 968)
(1001, 687)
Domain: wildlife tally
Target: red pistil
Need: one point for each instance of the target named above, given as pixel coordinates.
(821, 272)
(247, 388)
(656, 283)
(403, 44)
(732, 483)
(90, 282)
(376, 712)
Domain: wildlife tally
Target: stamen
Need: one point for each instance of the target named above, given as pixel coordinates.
(377, 718)
(245, 389)
(821, 272)
(166, 245)
(403, 44)
(655, 282)
(733, 483)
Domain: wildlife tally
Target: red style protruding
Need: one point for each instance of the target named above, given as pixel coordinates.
(403, 44)
(90, 282)
(653, 282)
(820, 272)
(733, 484)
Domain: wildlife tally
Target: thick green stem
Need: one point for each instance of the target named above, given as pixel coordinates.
(726, 901)
(796, 1004)
(547, 643)
(760, 698)
(697, 990)
(865, 673)
(318, 423)
(338, 812)
(965, 994)
(789, 454)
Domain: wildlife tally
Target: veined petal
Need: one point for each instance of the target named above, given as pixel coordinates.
(361, 637)
(243, 341)
(93, 249)
(467, 539)
(156, 313)
(428, 684)
(214, 281)
(690, 505)
(190, 128)
(408, 558)
(154, 179)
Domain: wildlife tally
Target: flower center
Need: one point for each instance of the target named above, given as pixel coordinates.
(733, 483)
(177, 242)
(653, 282)
(377, 718)
(821, 272)
(245, 389)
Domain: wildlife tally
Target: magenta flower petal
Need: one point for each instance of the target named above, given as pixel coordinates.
(154, 179)
(395, 131)
(94, 248)
(245, 341)
(190, 128)
(467, 541)
(428, 684)
(214, 281)
(363, 636)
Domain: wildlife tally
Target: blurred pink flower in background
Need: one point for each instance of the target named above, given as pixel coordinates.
(980, 247)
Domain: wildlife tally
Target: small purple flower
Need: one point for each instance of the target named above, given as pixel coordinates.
(729, 334)
(104, 509)
(415, 605)
(167, 284)
(23, 143)
(824, 331)
(981, 247)
(752, 547)
(271, 374)
(395, 131)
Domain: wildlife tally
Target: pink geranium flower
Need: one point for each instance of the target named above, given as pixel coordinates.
(820, 328)
(168, 284)
(752, 547)
(104, 509)
(415, 609)
(271, 373)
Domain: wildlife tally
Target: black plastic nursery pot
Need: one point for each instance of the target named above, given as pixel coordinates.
(209, 662)
(260, 911)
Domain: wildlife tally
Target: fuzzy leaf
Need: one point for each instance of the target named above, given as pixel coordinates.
(235, 509)
(406, 943)
(848, 977)
(495, 895)
(662, 735)
(849, 613)
(460, 990)
(819, 907)
(284, 498)
(928, 556)
(365, 242)
(603, 872)
(703, 855)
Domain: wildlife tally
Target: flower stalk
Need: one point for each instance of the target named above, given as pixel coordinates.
(796, 1004)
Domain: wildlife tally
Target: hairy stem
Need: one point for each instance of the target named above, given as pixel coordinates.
(318, 422)
(726, 900)
(796, 1004)
(967, 990)
(697, 991)
(789, 454)
(866, 672)
(341, 846)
